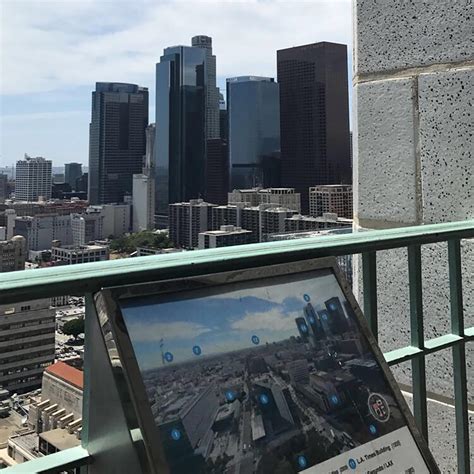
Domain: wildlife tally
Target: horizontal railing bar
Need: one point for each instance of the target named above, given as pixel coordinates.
(89, 277)
(53, 463)
(436, 344)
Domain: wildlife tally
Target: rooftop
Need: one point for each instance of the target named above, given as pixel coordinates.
(60, 439)
(67, 373)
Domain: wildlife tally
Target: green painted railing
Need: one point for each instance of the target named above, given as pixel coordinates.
(87, 278)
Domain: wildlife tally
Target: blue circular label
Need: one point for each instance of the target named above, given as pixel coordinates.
(230, 395)
(176, 434)
(334, 400)
(311, 320)
(263, 399)
(255, 340)
(197, 350)
(372, 429)
(306, 298)
(325, 316)
(332, 306)
(168, 357)
(302, 461)
(352, 463)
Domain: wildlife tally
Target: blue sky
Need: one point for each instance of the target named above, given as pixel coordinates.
(54, 52)
(223, 322)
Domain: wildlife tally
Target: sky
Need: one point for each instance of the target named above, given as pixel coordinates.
(53, 53)
(223, 322)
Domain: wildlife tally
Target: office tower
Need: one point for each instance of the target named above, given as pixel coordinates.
(116, 140)
(336, 314)
(223, 121)
(82, 183)
(143, 195)
(303, 328)
(217, 171)
(212, 91)
(7, 220)
(87, 227)
(33, 179)
(226, 236)
(180, 151)
(314, 322)
(27, 332)
(254, 128)
(314, 116)
(72, 172)
(187, 220)
(3, 187)
(12, 254)
(333, 198)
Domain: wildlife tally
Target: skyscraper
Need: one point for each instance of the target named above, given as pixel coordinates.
(180, 151)
(212, 91)
(116, 139)
(72, 171)
(254, 128)
(314, 116)
(33, 179)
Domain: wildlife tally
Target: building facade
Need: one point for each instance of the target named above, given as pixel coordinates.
(187, 220)
(143, 193)
(314, 116)
(33, 179)
(180, 151)
(71, 255)
(253, 112)
(116, 140)
(226, 236)
(333, 198)
(217, 171)
(13, 254)
(3, 187)
(282, 197)
(72, 172)
(27, 344)
(87, 227)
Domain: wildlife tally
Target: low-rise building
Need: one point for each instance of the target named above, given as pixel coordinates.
(70, 255)
(226, 236)
(297, 222)
(12, 254)
(279, 197)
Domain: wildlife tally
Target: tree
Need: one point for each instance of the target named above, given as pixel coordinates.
(74, 327)
(147, 238)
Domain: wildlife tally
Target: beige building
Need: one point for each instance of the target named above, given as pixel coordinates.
(279, 197)
(12, 254)
(226, 236)
(333, 198)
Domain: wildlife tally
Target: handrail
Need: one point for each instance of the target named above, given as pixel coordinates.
(87, 277)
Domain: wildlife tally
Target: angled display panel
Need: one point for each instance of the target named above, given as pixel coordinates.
(268, 370)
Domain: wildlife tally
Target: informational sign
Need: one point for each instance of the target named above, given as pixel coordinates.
(269, 376)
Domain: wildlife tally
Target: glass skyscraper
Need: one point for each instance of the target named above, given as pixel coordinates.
(180, 151)
(253, 113)
(116, 140)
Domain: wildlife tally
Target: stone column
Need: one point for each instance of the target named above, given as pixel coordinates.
(413, 144)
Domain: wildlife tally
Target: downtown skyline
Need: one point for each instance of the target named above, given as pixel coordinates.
(46, 102)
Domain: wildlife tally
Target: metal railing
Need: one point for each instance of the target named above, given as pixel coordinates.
(85, 279)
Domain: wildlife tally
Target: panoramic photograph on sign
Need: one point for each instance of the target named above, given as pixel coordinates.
(269, 378)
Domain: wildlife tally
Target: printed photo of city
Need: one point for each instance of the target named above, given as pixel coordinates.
(267, 379)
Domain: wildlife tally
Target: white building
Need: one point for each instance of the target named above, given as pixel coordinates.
(226, 236)
(333, 198)
(87, 227)
(279, 197)
(117, 219)
(70, 255)
(33, 179)
(143, 191)
(40, 231)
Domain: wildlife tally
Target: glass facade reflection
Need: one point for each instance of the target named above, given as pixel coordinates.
(254, 129)
(180, 126)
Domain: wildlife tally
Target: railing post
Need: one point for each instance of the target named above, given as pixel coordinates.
(459, 356)
(418, 368)
(369, 278)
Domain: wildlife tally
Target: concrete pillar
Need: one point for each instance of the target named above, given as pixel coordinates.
(413, 143)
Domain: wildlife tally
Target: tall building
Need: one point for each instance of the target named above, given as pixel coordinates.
(180, 151)
(333, 198)
(12, 254)
(116, 140)
(27, 337)
(72, 172)
(143, 195)
(212, 91)
(3, 187)
(217, 171)
(254, 128)
(314, 116)
(33, 179)
(187, 220)
(87, 227)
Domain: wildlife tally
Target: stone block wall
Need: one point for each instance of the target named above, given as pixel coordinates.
(413, 126)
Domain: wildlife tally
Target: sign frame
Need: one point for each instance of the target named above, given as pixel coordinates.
(126, 370)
